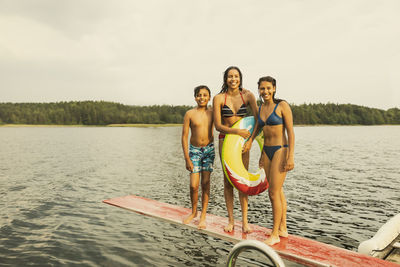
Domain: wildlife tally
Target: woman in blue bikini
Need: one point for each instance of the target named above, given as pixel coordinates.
(229, 106)
(275, 119)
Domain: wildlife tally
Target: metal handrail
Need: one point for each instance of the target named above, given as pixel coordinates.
(254, 245)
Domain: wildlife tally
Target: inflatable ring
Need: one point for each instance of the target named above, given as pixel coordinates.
(231, 157)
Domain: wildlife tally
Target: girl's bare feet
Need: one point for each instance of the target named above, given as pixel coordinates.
(283, 233)
(189, 218)
(272, 240)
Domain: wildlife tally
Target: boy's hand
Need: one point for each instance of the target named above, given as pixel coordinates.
(189, 165)
(247, 146)
(244, 133)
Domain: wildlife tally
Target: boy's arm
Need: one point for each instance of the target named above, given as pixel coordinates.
(212, 121)
(184, 141)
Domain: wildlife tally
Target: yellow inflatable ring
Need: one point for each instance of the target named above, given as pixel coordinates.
(231, 157)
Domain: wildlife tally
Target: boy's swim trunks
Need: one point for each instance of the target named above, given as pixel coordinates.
(202, 157)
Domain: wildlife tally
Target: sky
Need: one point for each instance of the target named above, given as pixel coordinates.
(155, 52)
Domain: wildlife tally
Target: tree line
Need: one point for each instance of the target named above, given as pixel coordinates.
(104, 113)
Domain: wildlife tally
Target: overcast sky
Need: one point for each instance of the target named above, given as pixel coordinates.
(155, 52)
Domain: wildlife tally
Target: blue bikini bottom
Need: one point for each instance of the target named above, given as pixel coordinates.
(270, 150)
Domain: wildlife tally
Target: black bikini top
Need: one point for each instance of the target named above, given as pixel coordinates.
(227, 111)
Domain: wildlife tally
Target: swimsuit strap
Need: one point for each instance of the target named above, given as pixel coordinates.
(259, 109)
(260, 121)
(276, 107)
(242, 97)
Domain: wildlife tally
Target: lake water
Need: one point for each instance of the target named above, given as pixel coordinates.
(345, 185)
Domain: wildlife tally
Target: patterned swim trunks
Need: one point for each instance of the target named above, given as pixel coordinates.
(202, 157)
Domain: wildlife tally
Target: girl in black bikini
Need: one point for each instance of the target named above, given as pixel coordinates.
(229, 106)
(275, 119)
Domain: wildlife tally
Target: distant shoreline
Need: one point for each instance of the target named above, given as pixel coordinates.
(142, 125)
(145, 125)
(80, 125)
(100, 113)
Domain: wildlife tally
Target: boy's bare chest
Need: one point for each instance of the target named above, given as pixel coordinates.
(202, 119)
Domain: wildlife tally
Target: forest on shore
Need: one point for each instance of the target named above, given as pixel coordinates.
(104, 113)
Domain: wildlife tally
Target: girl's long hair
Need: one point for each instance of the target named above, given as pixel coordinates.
(225, 85)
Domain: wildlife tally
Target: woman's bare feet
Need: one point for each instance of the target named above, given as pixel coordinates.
(229, 228)
(189, 218)
(272, 240)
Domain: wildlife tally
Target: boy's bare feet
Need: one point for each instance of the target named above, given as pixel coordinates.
(189, 218)
(202, 224)
(229, 228)
(246, 229)
(272, 240)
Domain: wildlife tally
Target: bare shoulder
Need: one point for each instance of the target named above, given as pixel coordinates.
(284, 105)
(247, 93)
(218, 98)
(190, 112)
(248, 96)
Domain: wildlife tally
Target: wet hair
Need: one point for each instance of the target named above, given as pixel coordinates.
(273, 82)
(198, 88)
(225, 85)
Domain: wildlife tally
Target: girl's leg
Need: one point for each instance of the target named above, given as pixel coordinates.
(282, 227)
(228, 194)
(267, 167)
(277, 177)
(194, 194)
(205, 193)
(243, 198)
(244, 205)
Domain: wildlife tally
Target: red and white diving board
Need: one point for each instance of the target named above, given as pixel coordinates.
(293, 248)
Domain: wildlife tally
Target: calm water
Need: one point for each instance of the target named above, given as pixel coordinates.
(52, 182)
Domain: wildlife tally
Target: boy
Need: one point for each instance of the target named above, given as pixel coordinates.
(199, 156)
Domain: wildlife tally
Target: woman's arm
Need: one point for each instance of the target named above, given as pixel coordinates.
(253, 105)
(288, 123)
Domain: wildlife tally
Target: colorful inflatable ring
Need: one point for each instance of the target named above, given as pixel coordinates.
(238, 176)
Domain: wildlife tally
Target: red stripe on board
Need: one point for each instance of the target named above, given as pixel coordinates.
(293, 248)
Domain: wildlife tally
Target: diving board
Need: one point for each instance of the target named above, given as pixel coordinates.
(293, 248)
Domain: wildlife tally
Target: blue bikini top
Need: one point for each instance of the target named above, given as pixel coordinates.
(273, 119)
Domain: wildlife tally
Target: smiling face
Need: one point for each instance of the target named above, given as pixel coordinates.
(266, 90)
(233, 79)
(202, 97)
